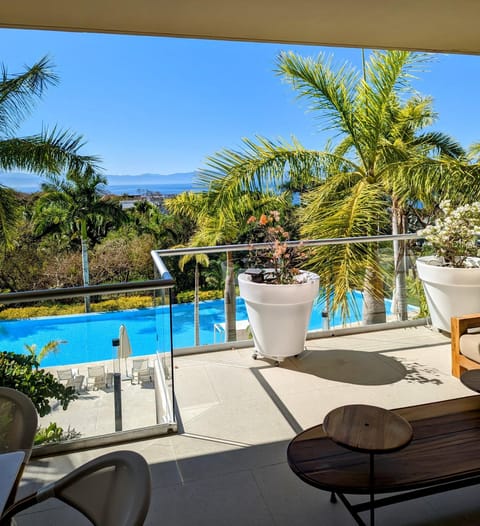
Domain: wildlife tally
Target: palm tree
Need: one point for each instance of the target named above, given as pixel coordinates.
(76, 206)
(212, 227)
(49, 348)
(200, 259)
(49, 152)
(380, 161)
(222, 222)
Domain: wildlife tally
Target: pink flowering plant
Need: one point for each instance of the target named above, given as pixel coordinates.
(279, 261)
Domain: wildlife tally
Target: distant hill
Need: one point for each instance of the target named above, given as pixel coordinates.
(29, 183)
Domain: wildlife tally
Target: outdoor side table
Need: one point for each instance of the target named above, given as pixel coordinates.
(471, 379)
(368, 429)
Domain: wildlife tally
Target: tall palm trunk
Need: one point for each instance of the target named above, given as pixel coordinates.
(196, 305)
(373, 302)
(230, 301)
(399, 299)
(85, 268)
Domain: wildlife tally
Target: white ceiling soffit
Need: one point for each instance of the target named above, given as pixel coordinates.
(431, 25)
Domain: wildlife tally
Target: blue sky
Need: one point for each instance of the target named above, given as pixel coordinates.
(162, 105)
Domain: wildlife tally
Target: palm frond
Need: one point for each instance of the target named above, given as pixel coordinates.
(47, 153)
(9, 215)
(18, 93)
(331, 92)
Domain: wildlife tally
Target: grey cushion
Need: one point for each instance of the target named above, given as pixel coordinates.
(470, 346)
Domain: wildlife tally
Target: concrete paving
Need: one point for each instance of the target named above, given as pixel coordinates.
(92, 413)
(227, 465)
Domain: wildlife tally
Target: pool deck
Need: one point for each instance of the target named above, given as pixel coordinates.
(227, 465)
(92, 413)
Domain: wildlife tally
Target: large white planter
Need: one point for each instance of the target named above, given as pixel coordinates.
(449, 291)
(279, 314)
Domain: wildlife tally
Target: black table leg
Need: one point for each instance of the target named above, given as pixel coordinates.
(372, 491)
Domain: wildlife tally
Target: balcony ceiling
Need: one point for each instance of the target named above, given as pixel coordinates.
(432, 25)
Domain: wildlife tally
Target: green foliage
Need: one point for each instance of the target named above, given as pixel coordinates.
(123, 303)
(53, 433)
(188, 296)
(45, 152)
(21, 372)
(416, 296)
(120, 303)
(48, 348)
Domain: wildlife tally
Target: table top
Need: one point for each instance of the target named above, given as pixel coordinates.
(444, 447)
(471, 379)
(367, 428)
(10, 465)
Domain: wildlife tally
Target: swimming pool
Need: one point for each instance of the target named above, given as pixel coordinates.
(89, 336)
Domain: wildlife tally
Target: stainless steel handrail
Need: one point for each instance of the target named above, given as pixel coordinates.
(92, 290)
(156, 254)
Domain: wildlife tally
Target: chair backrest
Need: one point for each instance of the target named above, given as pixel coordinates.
(111, 490)
(18, 421)
(96, 370)
(139, 364)
(76, 383)
(18, 426)
(64, 374)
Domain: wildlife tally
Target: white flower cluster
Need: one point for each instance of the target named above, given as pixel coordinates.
(454, 236)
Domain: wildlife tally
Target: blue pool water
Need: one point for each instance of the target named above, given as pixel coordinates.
(89, 336)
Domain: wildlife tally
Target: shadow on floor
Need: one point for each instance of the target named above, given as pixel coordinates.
(251, 486)
(353, 367)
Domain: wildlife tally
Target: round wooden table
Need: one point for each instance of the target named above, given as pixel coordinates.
(368, 429)
(471, 379)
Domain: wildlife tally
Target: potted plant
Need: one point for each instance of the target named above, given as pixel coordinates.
(451, 277)
(278, 295)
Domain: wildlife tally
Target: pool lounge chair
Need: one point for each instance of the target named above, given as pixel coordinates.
(76, 382)
(145, 376)
(137, 366)
(96, 377)
(64, 375)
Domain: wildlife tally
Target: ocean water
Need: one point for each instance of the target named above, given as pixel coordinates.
(164, 189)
(125, 189)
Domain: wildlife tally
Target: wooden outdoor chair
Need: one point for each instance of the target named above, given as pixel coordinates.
(465, 334)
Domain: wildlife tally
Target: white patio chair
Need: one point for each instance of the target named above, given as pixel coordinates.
(64, 375)
(96, 377)
(137, 366)
(76, 382)
(145, 376)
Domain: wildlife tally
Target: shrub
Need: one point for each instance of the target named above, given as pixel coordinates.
(21, 372)
(188, 296)
(120, 303)
(123, 303)
(54, 433)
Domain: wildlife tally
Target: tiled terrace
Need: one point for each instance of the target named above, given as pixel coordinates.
(227, 465)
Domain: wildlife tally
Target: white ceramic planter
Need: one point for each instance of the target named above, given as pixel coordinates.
(279, 314)
(449, 291)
